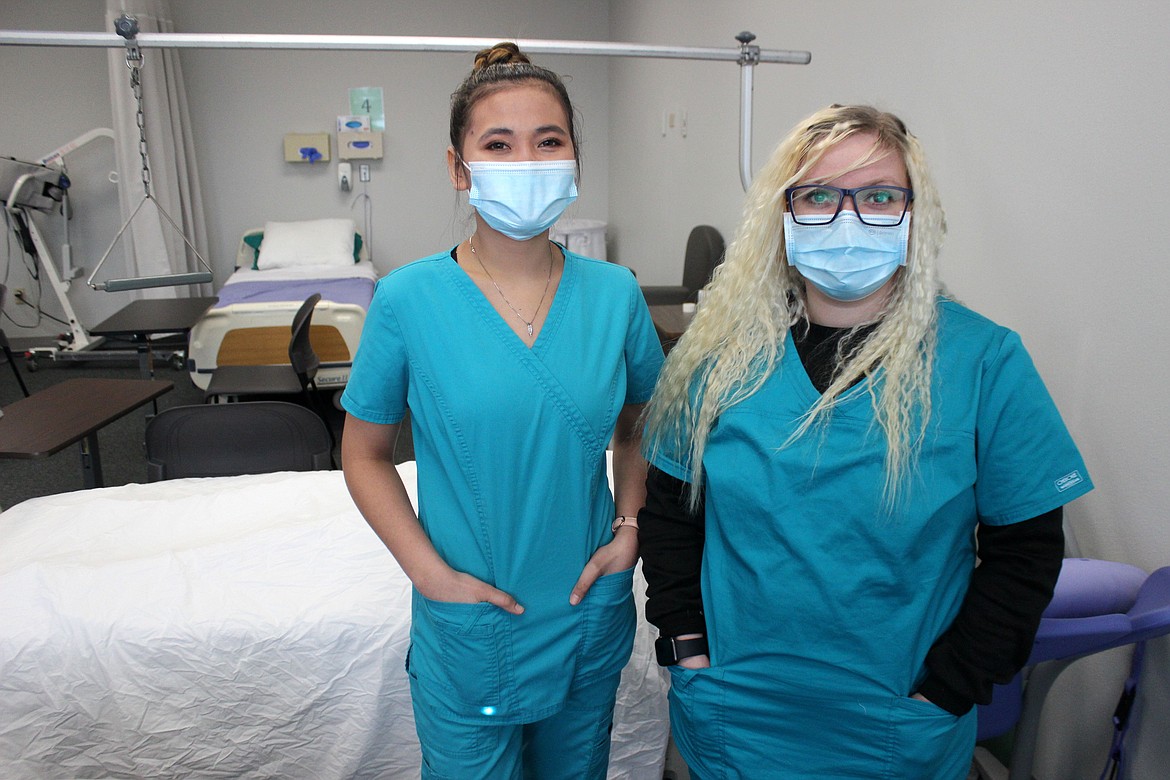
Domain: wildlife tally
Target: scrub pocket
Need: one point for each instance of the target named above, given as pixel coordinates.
(698, 720)
(462, 648)
(608, 619)
(734, 724)
(929, 743)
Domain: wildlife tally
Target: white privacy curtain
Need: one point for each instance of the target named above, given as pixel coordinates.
(151, 245)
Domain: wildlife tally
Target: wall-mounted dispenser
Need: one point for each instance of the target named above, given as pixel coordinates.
(359, 146)
(306, 147)
(344, 176)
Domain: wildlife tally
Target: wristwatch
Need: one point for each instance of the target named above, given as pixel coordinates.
(670, 650)
(621, 520)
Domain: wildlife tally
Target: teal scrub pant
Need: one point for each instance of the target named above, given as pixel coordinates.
(572, 744)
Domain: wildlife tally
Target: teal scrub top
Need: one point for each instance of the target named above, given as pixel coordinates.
(510, 445)
(813, 591)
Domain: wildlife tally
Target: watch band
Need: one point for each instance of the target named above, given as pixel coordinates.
(621, 520)
(670, 650)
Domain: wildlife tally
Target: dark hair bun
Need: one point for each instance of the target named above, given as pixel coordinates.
(505, 53)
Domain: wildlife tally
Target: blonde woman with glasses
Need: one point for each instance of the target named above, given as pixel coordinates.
(828, 442)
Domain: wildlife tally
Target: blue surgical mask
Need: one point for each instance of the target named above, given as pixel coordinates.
(522, 199)
(846, 259)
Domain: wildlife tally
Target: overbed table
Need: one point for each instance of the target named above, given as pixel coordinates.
(670, 321)
(72, 411)
(143, 318)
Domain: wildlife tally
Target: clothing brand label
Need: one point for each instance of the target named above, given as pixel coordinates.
(1069, 480)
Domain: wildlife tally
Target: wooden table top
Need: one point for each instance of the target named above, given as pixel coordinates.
(670, 320)
(50, 420)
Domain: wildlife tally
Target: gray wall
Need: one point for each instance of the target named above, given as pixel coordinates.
(1046, 124)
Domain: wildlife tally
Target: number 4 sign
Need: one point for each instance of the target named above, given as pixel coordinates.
(368, 100)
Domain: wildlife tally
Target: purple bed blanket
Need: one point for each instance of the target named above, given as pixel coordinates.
(348, 290)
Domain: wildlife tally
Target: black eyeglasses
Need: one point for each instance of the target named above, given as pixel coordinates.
(819, 204)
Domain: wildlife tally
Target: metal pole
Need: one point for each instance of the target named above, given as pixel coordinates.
(747, 55)
(385, 43)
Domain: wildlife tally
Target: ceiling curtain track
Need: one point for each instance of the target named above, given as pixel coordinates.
(747, 55)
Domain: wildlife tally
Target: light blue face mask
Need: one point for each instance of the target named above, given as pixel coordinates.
(522, 199)
(846, 259)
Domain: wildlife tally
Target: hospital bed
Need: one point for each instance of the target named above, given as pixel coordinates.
(243, 627)
(277, 268)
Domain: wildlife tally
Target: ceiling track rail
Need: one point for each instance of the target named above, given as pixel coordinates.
(747, 55)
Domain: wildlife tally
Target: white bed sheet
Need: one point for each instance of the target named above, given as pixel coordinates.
(236, 627)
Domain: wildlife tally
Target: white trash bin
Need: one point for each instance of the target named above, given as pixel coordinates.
(583, 236)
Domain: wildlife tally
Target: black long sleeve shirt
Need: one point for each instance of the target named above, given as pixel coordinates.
(989, 640)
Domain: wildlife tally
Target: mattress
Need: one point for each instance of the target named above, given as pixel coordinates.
(233, 627)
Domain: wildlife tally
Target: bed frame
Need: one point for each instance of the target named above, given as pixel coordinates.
(258, 333)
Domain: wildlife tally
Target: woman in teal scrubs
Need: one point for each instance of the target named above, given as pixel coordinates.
(828, 442)
(519, 362)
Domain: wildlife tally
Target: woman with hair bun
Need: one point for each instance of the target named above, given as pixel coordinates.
(829, 441)
(520, 361)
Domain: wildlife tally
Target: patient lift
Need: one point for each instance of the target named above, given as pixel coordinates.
(26, 187)
(37, 186)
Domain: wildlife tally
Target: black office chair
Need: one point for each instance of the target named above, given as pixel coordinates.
(220, 440)
(296, 377)
(7, 349)
(704, 251)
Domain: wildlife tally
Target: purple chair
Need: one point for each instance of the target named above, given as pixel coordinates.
(1097, 605)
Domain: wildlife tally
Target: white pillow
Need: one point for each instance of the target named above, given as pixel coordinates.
(311, 242)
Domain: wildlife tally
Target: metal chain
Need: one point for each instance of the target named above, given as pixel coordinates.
(134, 63)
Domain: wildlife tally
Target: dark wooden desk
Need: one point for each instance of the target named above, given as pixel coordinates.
(141, 319)
(670, 321)
(72, 411)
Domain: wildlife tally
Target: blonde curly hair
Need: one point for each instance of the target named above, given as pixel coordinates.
(736, 339)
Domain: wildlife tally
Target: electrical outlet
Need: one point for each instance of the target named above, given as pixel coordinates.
(364, 172)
